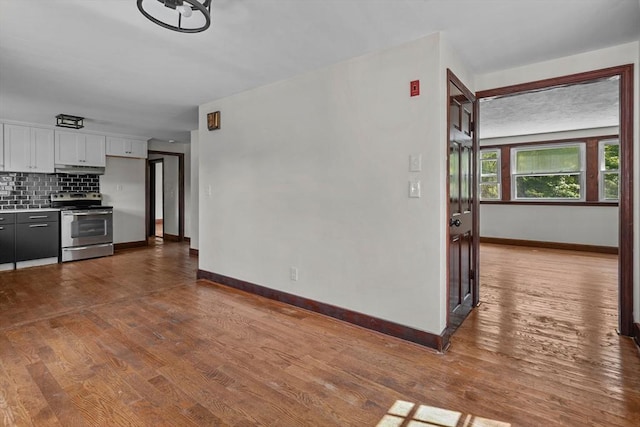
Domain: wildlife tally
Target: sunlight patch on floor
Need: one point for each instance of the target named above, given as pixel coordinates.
(409, 414)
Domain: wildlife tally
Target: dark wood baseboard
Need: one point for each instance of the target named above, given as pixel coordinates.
(437, 342)
(187, 239)
(171, 237)
(636, 333)
(551, 245)
(193, 252)
(129, 245)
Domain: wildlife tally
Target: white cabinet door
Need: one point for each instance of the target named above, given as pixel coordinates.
(66, 152)
(17, 148)
(124, 147)
(28, 149)
(1, 147)
(42, 150)
(79, 149)
(138, 148)
(94, 151)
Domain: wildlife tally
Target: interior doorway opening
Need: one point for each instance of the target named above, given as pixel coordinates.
(157, 199)
(624, 229)
(165, 196)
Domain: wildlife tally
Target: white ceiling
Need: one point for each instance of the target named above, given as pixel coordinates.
(582, 106)
(103, 60)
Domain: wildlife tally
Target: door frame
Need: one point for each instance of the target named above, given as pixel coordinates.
(625, 205)
(180, 189)
(475, 227)
(151, 226)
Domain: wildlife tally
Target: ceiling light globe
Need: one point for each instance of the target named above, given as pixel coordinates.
(185, 10)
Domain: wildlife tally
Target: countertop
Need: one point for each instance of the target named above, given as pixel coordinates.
(6, 211)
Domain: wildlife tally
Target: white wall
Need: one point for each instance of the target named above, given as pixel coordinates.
(186, 150)
(618, 55)
(195, 179)
(582, 225)
(123, 187)
(313, 172)
(585, 225)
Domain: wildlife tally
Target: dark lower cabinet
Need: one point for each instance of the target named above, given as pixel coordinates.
(7, 243)
(37, 240)
(26, 236)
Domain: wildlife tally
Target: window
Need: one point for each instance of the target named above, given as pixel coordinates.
(551, 172)
(609, 176)
(490, 174)
(574, 171)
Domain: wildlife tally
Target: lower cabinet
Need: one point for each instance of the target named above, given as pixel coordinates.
(35, 240)
(29, 236)
(7, 243)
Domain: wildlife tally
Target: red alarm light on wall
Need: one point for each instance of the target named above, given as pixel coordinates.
(415, 88)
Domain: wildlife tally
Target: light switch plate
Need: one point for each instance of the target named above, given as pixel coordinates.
(414, 188)
(415, 163)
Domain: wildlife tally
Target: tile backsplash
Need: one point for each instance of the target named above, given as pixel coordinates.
(21, 190)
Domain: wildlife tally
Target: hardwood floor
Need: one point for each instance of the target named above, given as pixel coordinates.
(134, 339)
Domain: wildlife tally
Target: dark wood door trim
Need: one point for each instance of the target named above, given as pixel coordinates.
(151, 196)
(625, 262)
(180, 190)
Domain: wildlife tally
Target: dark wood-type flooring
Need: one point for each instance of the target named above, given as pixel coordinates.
(134, 339)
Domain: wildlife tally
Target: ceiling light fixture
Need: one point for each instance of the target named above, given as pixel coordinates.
(68, 121)
(185, 16)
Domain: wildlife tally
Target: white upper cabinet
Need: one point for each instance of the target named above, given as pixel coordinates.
(80, 149)
(124, 147)
(28, 149)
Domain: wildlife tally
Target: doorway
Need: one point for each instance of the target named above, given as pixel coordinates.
(625, 210)
(156, 190)
(165, 196)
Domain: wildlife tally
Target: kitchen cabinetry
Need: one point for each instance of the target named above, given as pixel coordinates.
(124, 147)
(80, 149)
(28, 149)
(7, 238)
(37, 235)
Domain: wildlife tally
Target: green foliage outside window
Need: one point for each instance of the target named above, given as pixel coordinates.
(609, 170)
(489, 175)
(548, 173)
(548, 187)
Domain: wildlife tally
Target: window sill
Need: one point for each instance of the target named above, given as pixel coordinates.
(545, 203)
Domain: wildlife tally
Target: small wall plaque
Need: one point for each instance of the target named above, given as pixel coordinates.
(213, 120)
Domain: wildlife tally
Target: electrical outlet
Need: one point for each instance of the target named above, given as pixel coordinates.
(293, 273)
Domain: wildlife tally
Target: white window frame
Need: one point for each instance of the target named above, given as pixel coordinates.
(498, 173)
(602, 171)
(581, 172)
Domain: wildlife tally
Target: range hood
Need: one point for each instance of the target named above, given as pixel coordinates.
(80, 170)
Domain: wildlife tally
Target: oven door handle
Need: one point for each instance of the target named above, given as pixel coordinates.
(88, 213)
(87, 247)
